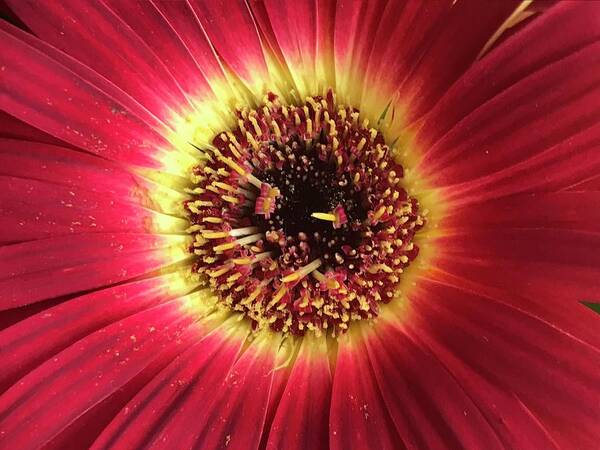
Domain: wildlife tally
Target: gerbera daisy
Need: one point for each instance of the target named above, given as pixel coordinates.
(299, 224)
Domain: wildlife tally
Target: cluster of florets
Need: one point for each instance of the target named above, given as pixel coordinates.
(299, 217)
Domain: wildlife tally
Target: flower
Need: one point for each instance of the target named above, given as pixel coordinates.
(276, 224)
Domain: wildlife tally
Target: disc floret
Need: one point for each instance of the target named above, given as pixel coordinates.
(299, 217)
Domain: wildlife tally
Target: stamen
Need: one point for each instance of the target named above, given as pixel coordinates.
(324, 216)
(298, 190)
(301, 273)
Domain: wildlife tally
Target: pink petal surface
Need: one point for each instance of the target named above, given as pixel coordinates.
(562, 165)
(48, 399)
(451, 46)
(496, 351)
(70, 108)
(119, 55)
(148, 418)
(516, 59)
(546, 272)
(302, 416)
(428, 406)
(46, 268)
(302, 33)
(62, 166)
(155, 30)
(357, 405)
(553, 104)
(34, 340)
(553, 374)
(234, 36)
(235, 417)
(415, 50)
(86, 428)
(458, 409)
(183, 19)
(36, 210)
(13, 128)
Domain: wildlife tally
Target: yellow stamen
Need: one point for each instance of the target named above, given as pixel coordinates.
(324, 216)
(214, 234)
(302, 272)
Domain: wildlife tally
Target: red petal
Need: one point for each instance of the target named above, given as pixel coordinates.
(154, 29)
(556, 210)
(544, 272)
(36, 210)
(587, 184)
(170, 398)
(450, 47)
(358, 416)
(32, 341)
(85, 429)
(278, 386)
(65, 167)
(233, 33)
(236, 417)
(439, 402)
(97, 180)
(76, 193)
(520, 56)
(553, 374)
(411, 49)
(303, 411)
(568, 163)
(225, 408)
(302, 32)
(184, 21)
(71, 109)
(534, 115)
(46, 268)
(47, 400)
(13, 128)
(119, 55)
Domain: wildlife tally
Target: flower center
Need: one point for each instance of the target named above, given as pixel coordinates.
(299, 217)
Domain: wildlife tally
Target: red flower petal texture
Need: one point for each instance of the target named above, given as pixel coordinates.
(120, 329)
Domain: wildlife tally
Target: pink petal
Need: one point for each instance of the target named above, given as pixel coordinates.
(185, 22)
(13, 128)
(65, 167)
(451, 46)
(522, 55)
(34, 340)
(428, 406)
(151, 414)
(226, 406)
(358, 416)
(70, 108)
(156, 32)
(76, 193)
(236, 417)
(278, 386)
(551, 373)
(46, 268)
(234, 36)
(439, 402)
(36, 210)
(47, 400)
(545, 272)
(120, 55)
(86, 428)
(570, 162)
(302, 32)
(556, 210)
(302, 416)
(536, 114)
(416, 51)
